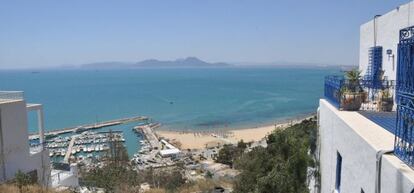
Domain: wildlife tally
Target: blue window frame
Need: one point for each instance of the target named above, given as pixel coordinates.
(338, 171)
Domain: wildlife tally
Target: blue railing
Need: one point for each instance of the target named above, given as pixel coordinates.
(333, 85)
(404, 135)
(373, 73)
(360, 90)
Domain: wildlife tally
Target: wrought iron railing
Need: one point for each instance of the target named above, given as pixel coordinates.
(333, 85)
(11, 95)
(359, 94)
(404, 134)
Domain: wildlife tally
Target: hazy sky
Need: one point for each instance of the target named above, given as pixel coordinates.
(52, 33)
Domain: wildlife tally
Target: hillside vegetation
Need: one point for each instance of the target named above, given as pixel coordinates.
(281, 167)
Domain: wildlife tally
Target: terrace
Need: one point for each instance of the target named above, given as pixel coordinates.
(373, 100)
(372, 95)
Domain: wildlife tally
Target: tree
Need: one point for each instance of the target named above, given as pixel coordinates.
(111, 177)
(282, 166)
(22, 180)
(209, 175)
(229, 153)
(117, 153)
(241, 145)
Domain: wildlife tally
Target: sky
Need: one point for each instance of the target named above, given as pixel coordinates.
(36, 34)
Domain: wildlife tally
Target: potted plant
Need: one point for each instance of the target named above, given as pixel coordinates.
(352, 94)
(386, 100)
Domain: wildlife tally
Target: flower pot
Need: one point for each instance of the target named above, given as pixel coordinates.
(364, 96)
(386, 104)
(352, 101)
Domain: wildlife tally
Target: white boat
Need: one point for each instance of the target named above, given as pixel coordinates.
(105, 147)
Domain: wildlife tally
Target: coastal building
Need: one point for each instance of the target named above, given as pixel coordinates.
(15, 152)
(366, 141)
(169, 150)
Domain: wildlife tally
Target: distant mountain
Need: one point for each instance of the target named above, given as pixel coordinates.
(190, 62)
(107, 65)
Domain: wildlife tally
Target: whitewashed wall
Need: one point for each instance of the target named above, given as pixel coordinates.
(358, 157)
(388, 26)
(15, 145)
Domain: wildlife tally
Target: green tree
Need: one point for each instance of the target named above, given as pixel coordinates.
(22, 180)
(111, 177)
(282, 166)
(229, 153)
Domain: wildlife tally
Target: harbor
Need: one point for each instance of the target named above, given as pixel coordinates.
(79, 146)
(89, 143)
(149, 134)
(87, 127)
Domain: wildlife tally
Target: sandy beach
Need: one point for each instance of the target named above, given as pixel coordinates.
(198, 140)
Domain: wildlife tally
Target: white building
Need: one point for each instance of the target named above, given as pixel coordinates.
(169, 150)
(15, 152)
(357, 147)
(384, 31)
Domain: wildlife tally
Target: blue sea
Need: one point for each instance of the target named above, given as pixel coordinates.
(180, 99)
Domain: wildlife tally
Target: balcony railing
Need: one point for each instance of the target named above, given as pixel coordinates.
(359, 94)
(11, 95)
(404, 138)
(333, 86)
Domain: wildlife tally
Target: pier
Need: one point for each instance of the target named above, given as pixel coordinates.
(69, 151)
(149, 134)
(87, 127)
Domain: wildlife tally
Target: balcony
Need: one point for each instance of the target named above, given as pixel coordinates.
(373, 96)
(360, 94)
(372, 99)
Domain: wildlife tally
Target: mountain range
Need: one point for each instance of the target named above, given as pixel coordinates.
(189, 62)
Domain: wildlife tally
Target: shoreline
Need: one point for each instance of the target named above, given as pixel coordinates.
(283, 120)
(216, 137)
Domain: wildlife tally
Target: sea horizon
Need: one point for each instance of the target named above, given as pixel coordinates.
(184, 99)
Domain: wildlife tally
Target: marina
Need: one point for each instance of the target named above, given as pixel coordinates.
(86, 127)
(79, 144)
(86, 142)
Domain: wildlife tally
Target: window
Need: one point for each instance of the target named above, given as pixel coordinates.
(338, 171)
